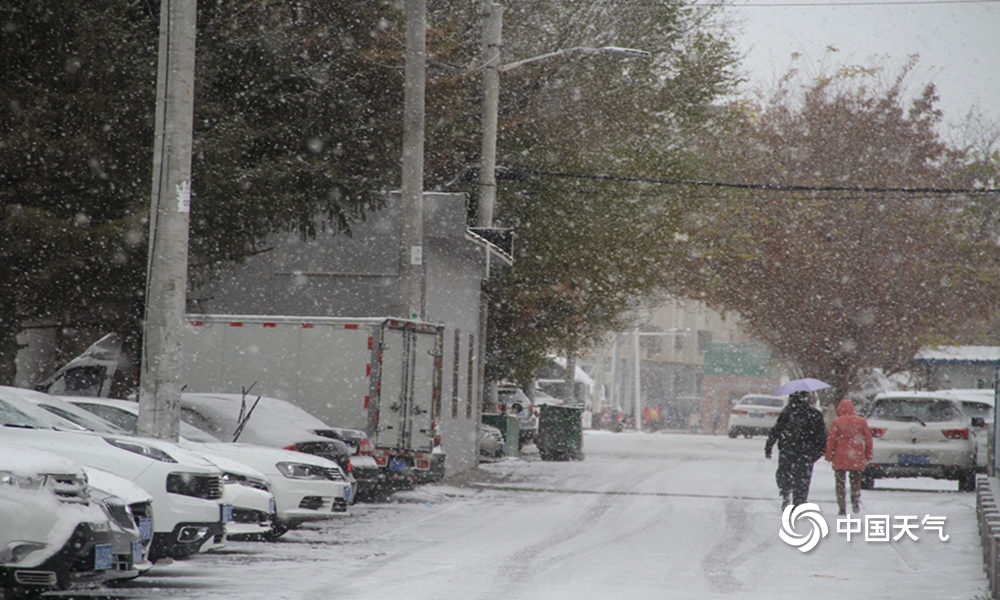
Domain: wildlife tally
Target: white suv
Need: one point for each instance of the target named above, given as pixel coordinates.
(922, 434)
(512, 401)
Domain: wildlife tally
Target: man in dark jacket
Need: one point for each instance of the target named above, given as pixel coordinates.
(801, 437)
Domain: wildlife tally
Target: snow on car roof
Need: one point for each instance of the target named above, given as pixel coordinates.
(279, 421)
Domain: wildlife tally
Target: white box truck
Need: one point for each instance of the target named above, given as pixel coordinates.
(380, 374)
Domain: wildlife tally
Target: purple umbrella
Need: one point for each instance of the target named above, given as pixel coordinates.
(800, 385)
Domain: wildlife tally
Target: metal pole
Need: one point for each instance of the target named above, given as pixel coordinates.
(638, 381)
(995, 442)
(614, 398)
(411, 261)
(166, 283)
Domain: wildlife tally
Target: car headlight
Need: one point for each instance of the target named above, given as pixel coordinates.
(141, 449)
(21, 481)
(230, 478)
(15, 551)
(301, 471)
(197, 485)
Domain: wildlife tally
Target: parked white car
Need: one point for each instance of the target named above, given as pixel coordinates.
(755, 414)
(978, 403)
(305, 487)
(55, 529)
(247, 501)
(491, 442)
(113, 491)
(922, 434)
(279, 424)
(186, 488)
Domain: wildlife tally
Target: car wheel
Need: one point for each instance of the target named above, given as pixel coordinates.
(748, 436)
(733, 433)
(967, 481)
(867, 482)
(277, 530)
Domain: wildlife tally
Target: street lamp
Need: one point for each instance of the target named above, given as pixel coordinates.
(492, 27)
(491, 101)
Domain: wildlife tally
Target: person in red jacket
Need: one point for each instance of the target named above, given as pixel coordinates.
(849, 448)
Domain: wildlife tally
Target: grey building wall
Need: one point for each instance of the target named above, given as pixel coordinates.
(358, 276)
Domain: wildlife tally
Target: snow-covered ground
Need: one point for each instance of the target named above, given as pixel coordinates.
(643, 516)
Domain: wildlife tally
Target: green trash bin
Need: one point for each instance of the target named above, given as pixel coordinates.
(560, 432)
(509, 427)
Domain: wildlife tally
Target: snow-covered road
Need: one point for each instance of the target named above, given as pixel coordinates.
(643, 516)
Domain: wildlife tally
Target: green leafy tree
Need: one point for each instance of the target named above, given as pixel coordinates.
(588, 247)
(840, 272)
(73, 186)
(297, 127)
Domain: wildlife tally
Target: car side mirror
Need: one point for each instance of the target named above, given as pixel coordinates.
(978, 422)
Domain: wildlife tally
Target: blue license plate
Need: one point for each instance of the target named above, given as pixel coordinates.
(145, 528)
(347, 494)
(914, 459)
(227, 513)
(271, 507)
(136, 552)
(397, 464)
(756, 415)
(104, 557)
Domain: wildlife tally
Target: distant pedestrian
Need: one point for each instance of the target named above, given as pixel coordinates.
(801, 437)
(848, 448)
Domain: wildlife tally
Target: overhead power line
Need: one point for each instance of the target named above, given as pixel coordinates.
(514, 173)
(855, 3)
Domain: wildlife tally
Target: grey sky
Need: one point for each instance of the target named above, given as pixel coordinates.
(958, 42)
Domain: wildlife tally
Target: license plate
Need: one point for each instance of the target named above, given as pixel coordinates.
(145, 528)
(914, 459)
(227, 513)
(756, 415)
(271, 507)
(397, 464)
(136, 552)
(104, 557)
(347, 493)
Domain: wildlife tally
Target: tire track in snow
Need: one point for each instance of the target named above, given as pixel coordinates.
(519, 570)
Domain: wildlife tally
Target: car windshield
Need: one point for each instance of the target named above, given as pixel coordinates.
(83, 419)
(927, 410)
(128, 421)
(11, 417)
(978, 409)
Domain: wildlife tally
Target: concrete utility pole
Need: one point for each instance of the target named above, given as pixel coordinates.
(411, 261)
(166, 278)
(492, 28)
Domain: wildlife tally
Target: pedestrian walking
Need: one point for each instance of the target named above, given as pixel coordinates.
(848, 449)
(800, 434)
